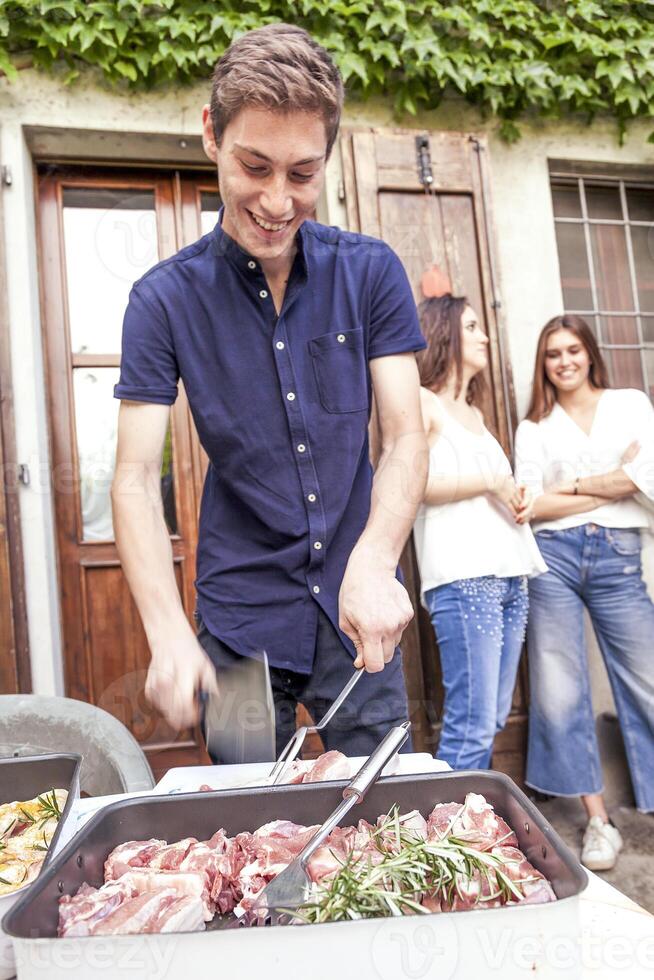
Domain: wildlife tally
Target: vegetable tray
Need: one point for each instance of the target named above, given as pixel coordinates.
(24, 778)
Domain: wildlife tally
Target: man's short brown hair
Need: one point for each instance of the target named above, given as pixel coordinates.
(278, 67)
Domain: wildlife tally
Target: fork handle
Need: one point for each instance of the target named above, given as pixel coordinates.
(381, 756)
(357, 788)
(345, 693)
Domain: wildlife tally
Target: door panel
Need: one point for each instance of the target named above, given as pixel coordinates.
(8, 660)
(99, 232)
(450, 227)
(200, 203)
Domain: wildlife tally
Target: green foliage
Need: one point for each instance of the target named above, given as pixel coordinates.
(506, 57)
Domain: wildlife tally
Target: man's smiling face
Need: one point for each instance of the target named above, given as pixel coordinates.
(271, 169)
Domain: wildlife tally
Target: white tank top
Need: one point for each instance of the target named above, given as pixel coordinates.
(473, 537)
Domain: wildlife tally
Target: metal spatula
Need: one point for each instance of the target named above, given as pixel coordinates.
(292, 887)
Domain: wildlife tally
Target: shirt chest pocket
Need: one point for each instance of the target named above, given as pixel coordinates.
(340, 368)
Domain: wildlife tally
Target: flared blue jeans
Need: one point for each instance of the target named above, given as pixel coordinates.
(599, 568)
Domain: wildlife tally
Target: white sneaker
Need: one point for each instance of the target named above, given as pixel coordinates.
(602, 844)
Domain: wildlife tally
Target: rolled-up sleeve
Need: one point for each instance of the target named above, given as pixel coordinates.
(148, 367)
(394, 327)
(530, 458)
(641, 469)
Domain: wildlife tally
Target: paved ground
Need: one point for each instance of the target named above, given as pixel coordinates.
(634, 871)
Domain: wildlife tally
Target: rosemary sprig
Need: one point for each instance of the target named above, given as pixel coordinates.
(41, 847)
(49, 805)
(5, 833)
(402, 871)
(14, 884)
(27, 816)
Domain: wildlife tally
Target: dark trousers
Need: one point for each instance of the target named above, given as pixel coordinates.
(377, 703)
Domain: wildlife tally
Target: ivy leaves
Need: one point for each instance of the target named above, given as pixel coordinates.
(508, 57)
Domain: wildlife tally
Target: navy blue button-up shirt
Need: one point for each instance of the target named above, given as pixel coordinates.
(281, 405)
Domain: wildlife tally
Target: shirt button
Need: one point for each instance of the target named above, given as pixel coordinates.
(301, 448)
(291, 396)
(263, 293)
(341, 338)
(280, 345)
(311, 497)
(317, 545)
(316, 589)
(252, 265)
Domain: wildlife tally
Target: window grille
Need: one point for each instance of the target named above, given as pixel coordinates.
(605, 239)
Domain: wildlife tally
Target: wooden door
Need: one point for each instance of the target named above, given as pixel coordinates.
(451, 227)
(15, 674)
(100, 231)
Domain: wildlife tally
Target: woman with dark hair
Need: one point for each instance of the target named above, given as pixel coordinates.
(586, 451)
(473, 554)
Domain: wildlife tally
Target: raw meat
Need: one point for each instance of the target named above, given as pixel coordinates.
(328, 766)
(79, 914)
(474, 821)
(267, 852)
(157, 911)
(154, 886)
(140, 901)
(515, 865)
(133, 854)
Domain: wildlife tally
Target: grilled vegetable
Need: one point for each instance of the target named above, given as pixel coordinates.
(26, 829)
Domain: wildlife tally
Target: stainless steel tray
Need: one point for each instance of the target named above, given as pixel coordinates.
(33, 920)
(23, 778)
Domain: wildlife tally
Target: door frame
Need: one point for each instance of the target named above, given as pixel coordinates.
(15, 667)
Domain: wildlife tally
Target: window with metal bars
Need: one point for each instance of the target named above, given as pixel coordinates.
(605, 238)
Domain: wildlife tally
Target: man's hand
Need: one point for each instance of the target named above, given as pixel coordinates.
(374, 610)
(178, 671)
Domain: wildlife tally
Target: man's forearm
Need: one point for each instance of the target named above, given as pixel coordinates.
(398, 489)
(146, 556)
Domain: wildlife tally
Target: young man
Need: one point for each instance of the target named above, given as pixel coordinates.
(281, 330)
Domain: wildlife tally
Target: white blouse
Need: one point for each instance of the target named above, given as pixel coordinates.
(477, 536)
(556, 450)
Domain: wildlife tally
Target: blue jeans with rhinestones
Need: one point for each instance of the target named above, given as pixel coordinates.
(480, 628)
(599, 568)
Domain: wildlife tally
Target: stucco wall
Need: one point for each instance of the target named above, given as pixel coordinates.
(528, 265)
